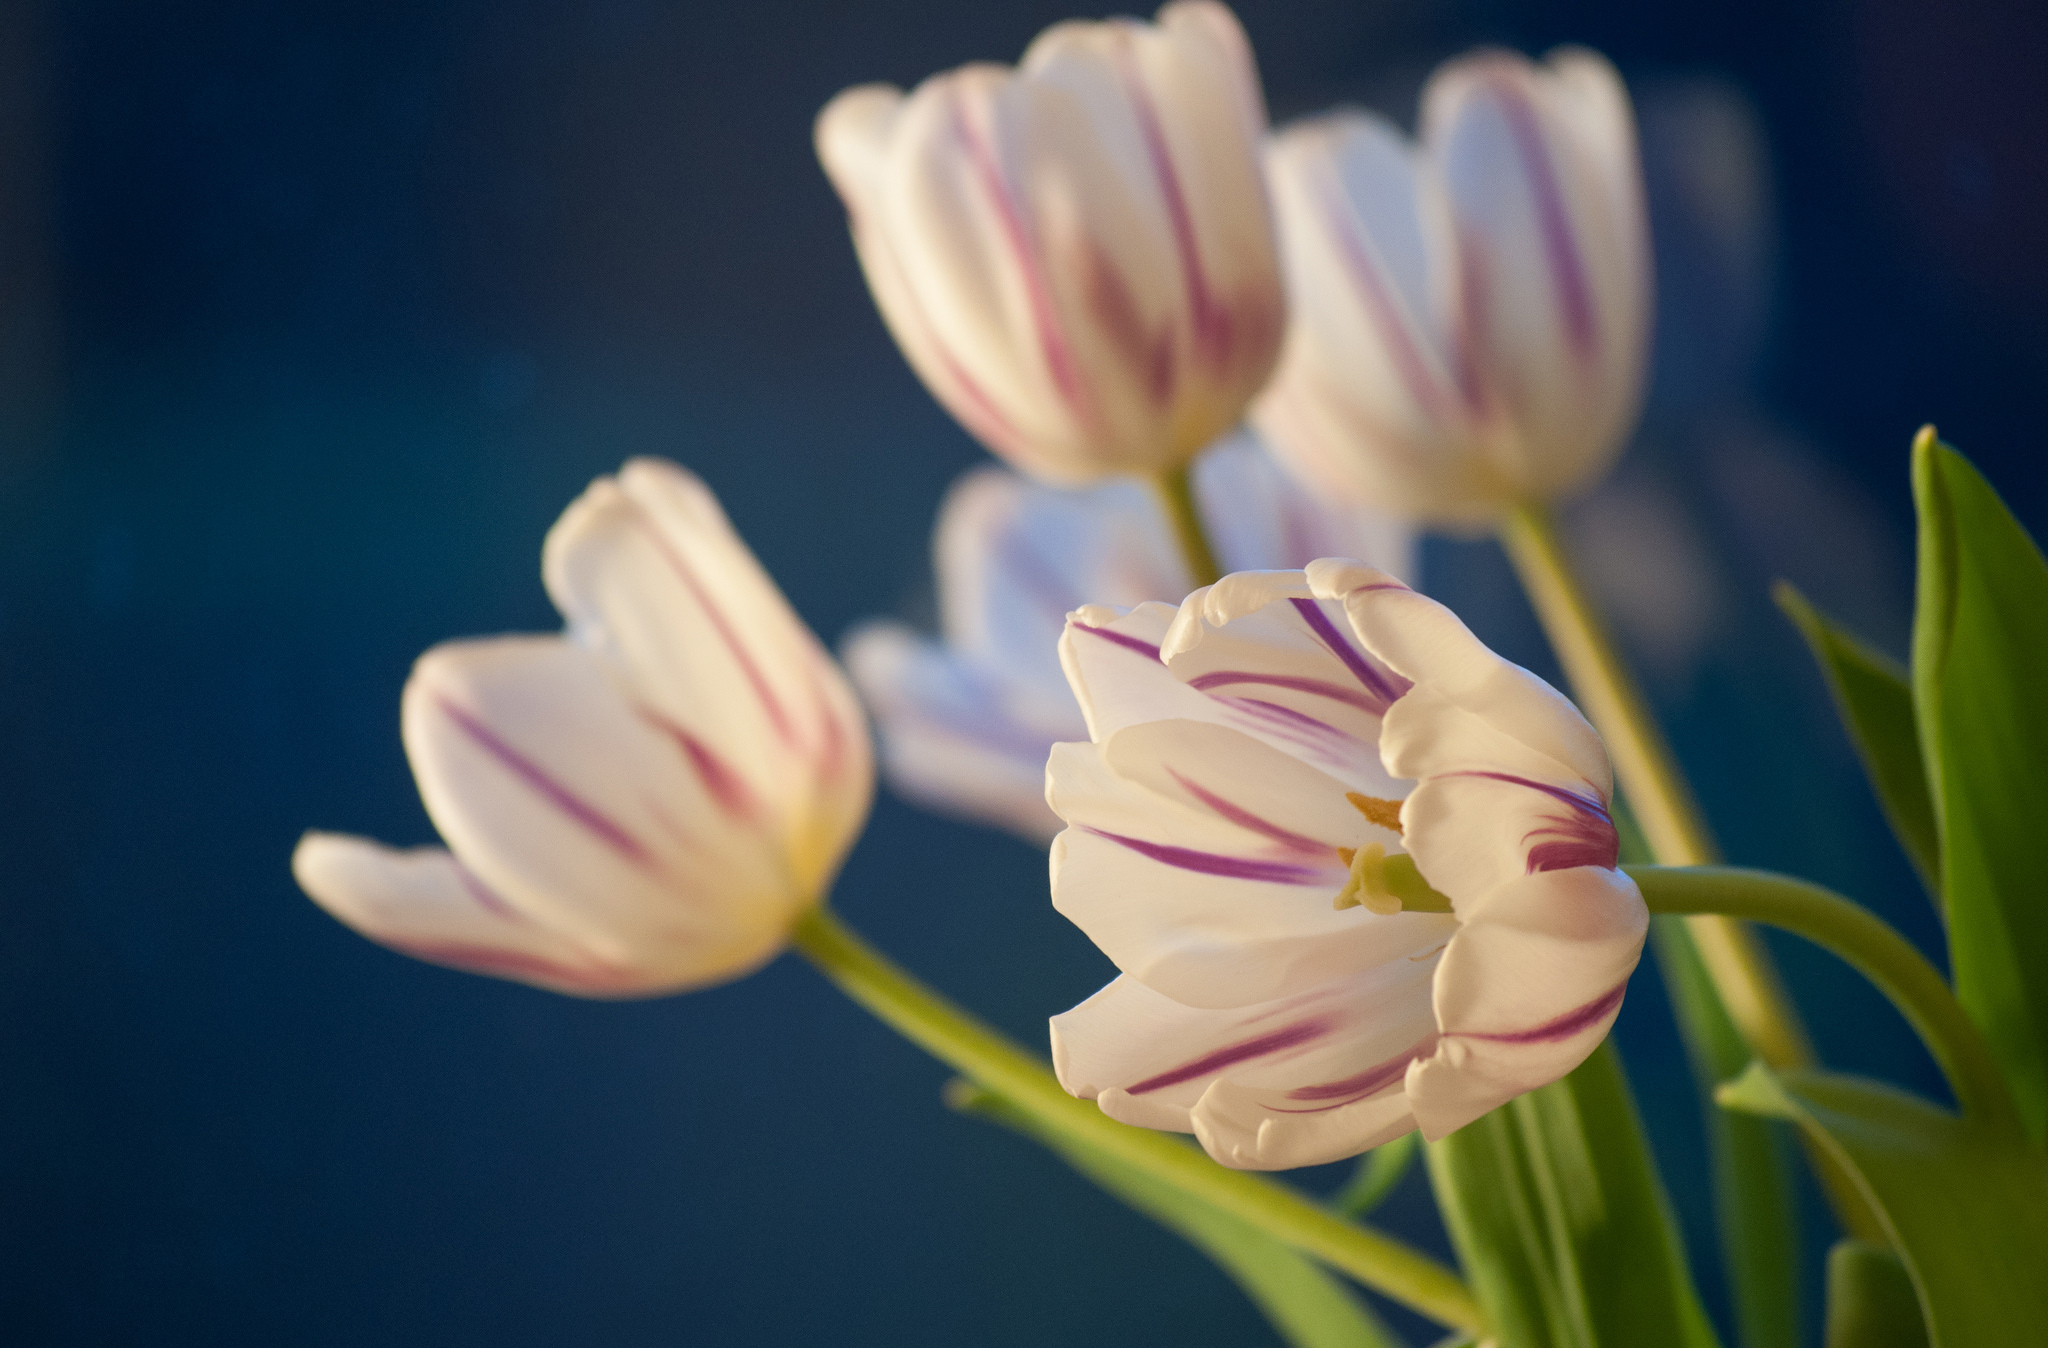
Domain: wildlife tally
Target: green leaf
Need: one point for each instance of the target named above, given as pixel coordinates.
(1379, 1170)
(1558, 1215)
(1874, 695)
(1980, 686)
(1871, 1303)
(1309, 1307)
(1756, 1217)
(1965, 1206)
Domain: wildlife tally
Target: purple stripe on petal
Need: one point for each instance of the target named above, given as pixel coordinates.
(1560, 244)
(1563, 1027)
(486, 898)
(1286, 1037)
(1385, 311)
(742, 656)
(1586, 837)
(1383, 684)
(1224, 678)
(1127, 642)
(1244, 818)
(721, 781)
(1216, 863)
(1370, 1080)
(593, 820)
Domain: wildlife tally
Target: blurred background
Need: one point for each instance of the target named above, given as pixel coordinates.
(314, 316)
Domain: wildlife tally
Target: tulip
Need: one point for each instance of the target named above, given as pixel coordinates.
(1075, 255)
(1470, 314)
(966, 721)
(642, 804)
(1315, 958)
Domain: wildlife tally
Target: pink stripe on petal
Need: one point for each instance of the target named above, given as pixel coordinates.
(1586, 837)
(1216, 863)
(721, 781)
(1119, 639)
(1244, 818)
(1372, 1079)
(1276, 1041)
(1383, 684)
(1560, 244)
(743, 657)
(486, 897)
(593, 820)
(1225, 678)
(1564, 1027)
(1059, 358)
(1381, 307)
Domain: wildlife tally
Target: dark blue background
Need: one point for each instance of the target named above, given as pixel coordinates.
(312, 317)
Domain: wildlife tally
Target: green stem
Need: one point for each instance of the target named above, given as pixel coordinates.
(1871, 947)
(1177, 495)
(1643, 762)
(978, 1052)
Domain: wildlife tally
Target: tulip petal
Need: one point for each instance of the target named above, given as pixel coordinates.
(646, 567)
(1216, 831)
(1260, 517)
(1296, 1081)
(594, 813)
(951, 740)
(1527, 988)
(424, 904)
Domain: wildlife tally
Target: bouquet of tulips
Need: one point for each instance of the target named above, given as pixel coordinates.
(1370, 890)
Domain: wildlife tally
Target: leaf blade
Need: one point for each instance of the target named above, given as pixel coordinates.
(1557, 1212)
(1965, 1207)
(1873, 694)
(1980, 663)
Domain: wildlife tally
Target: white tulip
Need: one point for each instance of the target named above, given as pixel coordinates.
(966, 721)
(1233, 829)
(1076, 255)
(1470, 315)
(642, 804)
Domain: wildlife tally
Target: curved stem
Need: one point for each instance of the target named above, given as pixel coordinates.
(1871, 947)
(1177, 495)
(978, 1052)
(1649, 774)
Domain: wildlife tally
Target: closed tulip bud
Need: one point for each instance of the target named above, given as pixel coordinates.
(642, 804)
(1076, 255)
(1470, 313)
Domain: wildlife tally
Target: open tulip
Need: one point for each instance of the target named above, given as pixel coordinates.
(642, 804)
(1470, 316)
(966, 721)
(1292, 992)
(1075, 255)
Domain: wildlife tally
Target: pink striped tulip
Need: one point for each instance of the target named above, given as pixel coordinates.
(642, 804)
(1230, 826)
(1075, 255)
(1471, 314)
(966, 721)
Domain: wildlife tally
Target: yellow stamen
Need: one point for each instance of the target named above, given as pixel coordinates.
(1385, 813)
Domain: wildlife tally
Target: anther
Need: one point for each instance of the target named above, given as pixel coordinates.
(1385, 813)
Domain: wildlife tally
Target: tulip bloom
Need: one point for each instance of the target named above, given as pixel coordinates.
(1233, 845)
(966, 721)
(1076, 255)
(642, 804)
(1470, 315)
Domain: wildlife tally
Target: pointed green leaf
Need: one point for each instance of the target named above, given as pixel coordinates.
(1560, 1219)
(1871, 1303)
(1874, 695)
(1309, 1306)
(1980, 687)
(1965, 1207)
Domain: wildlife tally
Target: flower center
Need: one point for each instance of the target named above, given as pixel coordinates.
(1380, 883)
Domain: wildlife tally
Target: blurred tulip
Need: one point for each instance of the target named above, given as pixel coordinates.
(1470, 315)
(1233, 846)
(1075, 255)
(642, 804)
(966, 721)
